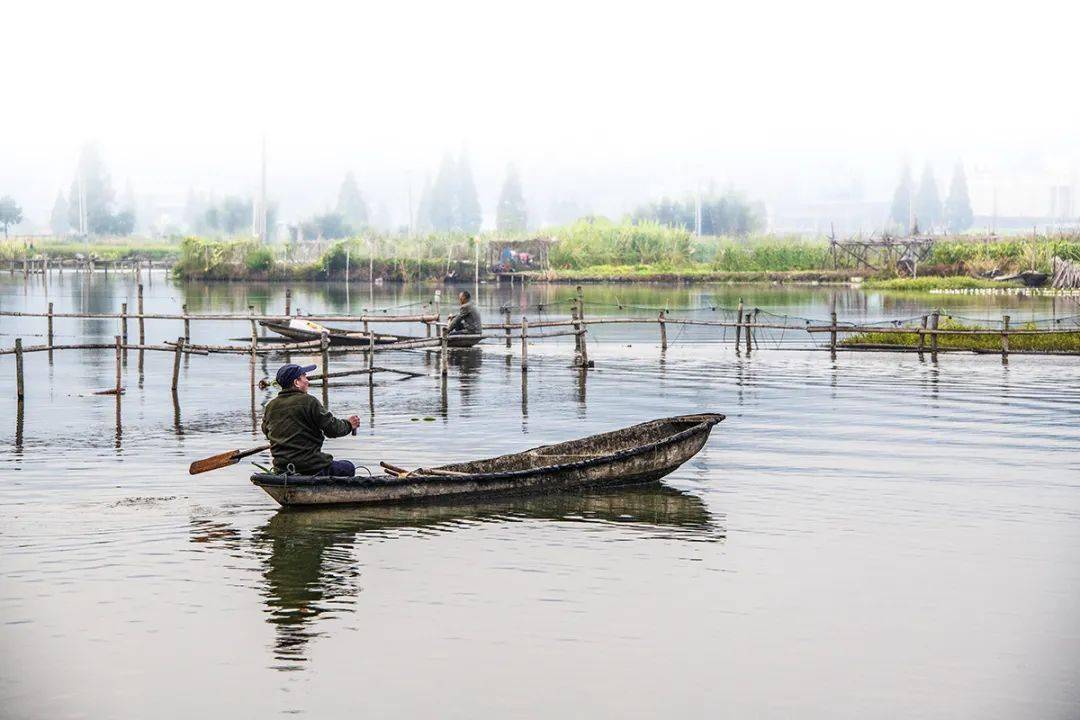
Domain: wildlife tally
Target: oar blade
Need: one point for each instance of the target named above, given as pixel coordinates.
(214, 462)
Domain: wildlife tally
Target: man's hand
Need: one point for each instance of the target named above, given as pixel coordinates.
(354, 420)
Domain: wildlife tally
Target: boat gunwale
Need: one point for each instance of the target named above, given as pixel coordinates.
(273, 480)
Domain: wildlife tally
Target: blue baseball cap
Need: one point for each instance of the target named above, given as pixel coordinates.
(287, 373)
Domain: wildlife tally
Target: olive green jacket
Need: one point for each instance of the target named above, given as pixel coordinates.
(295, 423)
(467, 321)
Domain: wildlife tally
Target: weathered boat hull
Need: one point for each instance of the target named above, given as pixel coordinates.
(639, 454)
(339, 336)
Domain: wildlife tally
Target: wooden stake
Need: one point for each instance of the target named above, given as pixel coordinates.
(738, 324)
(19, 389)
(50, 324)
(142, 324)
(584, 348)
(187, 325)
(934, 319)
(832, 335)
(573, 319)
(1005, 339)
(254, 332)
(371, 352)
(524, 344)
(123, 322)
(748, 336)
(444, 360)
(119, 357)
(506, 322)
(663, 332)
(922, 335)
(324, 343)
(176, 363)
(288, 302)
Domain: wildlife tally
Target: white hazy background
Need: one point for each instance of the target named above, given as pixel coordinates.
(603, 102)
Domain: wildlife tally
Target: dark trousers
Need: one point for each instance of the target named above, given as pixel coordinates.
(340, 468)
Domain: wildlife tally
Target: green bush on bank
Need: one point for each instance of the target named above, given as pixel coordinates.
(100, 249)
(935, 282)
(1064, 342)
(599, 249)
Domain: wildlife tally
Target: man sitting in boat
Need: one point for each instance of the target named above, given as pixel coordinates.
(467, 321)
(295, 422)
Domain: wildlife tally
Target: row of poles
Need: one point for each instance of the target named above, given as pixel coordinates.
(745, 324)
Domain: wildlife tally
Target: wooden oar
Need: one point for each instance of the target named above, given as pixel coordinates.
(225, 459)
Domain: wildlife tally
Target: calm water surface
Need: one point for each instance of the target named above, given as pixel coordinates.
(875, 536)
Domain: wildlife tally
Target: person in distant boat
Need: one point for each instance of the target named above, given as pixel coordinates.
(467, 321)
(295, 423)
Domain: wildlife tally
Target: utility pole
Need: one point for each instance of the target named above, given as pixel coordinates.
(697, 209)
(408, 175)
(261, 220)
(82, 211)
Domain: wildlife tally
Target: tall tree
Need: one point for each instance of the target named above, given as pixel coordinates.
(235, 214)
(902, 207)
(422, 223)
(444, 206)
(10, 213)
(97, 192)
(928, 201)
(58, 221)
(958, 215)
(350, 203)
(511, 214)
(470, 215)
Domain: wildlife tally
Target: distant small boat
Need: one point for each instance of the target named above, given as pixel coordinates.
(1030, 278)
(634, 455)
(340, 336)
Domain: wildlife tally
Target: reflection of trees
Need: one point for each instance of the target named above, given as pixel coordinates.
(309, 568)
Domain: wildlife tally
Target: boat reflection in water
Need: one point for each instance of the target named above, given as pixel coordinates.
(310, 569)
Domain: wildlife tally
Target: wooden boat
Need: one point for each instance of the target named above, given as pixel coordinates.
(1030, 278)
(638, 454)
(341, 336)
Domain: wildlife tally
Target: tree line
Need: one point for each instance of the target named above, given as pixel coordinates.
(721, 214)
(914, 209)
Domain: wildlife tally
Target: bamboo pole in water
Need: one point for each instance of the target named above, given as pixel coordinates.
(142, 322)
(738, 324)
(506, 323)
(749, 345)
(324, 342)
(254, 333)
(288, 301)
(187, 324)
(934, 319)
(19, 388)
(119, 354)
(444, 345)
(832, 334)
(922, 335)
(663, 332)
(525, 344)
(176, 363)
(50, 324)
(1005, 338)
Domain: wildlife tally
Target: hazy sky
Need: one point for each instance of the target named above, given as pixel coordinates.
(607, 102)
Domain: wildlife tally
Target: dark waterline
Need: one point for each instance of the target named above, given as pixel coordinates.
(866, 533)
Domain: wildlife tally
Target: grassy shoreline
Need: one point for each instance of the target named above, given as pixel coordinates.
(585, 251)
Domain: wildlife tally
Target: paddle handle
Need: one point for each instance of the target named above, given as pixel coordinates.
(224, 459)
